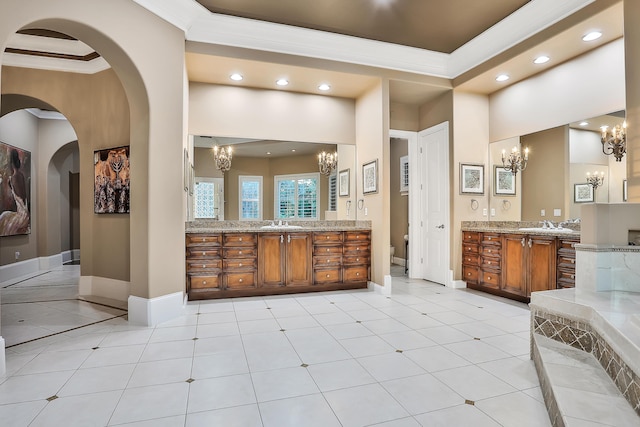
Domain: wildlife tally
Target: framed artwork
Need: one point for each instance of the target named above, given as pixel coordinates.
(624, 190)
(343, 183)
(15, 190)
(404, 174)
(582, 193)
(504, 182)
(471, 178)
(370, 177)
(111, 184)
(186, 170)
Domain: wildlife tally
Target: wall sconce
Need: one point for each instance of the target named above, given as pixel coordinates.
(515, 161)
(222, 157)
(595, 180)
(614, 140)
(327, 162)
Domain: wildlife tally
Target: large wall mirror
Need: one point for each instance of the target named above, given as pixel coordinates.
(553, 185)
(271, 179)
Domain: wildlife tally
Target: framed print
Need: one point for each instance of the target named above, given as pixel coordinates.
(370, 177)
(471, 178)
(111, 183)
(582, 193)
(15, 190)
(186, 170)
(343, 183)
(504, 182)
(624, 190)
(404, 174)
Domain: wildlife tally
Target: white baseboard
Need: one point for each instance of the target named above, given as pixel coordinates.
(382, 290)
(458, 284)
(398, 261)
(104, 287)
(152, 312)
(3, 360)
(72, 255)
(19, 269)
(49, 262)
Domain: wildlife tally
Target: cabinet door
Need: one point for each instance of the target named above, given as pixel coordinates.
(299, 261)
(271, 259)
(514, 264)
(542, 263)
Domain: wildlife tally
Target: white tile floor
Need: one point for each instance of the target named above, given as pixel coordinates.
(351, 358)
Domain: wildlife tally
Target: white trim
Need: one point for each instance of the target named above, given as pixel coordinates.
(19, 269)
(104, 287)
(55, 64)
(382, 290)
(152, 312)
(49, 262)
(47, 115)
(3, 360)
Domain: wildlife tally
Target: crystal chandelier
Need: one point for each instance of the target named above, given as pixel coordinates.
(515, 161)
(222, 157)
(595, 180)
(614, 140)
(327, 162)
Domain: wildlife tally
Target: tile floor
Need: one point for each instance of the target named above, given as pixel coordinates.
(425, 356)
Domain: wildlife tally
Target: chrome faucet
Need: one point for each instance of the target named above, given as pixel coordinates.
(547, 224)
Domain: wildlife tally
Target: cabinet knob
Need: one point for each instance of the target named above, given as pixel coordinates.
(573, 276)
(489, 262)
(357, 259)
(327, 249)
(240, 252)
(204, 282)
(204, 266)
(327, 275)
(357, 249)
(204, 253)
(357, 274)
(489, 251)
(240, 280)
(240, 265)
(489, 278)
(203, 239)
(240, 239)
(573, 261)
(468, 259)
(468, 274)
(327, 237)
(489, 238)
(328, 260)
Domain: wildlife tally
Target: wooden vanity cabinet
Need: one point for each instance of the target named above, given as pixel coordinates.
(284, 259)
(356, 256)
(529, 264)
(239, 254)
(491, 260)
(471, 257)
(204, 263)
(566, 277)
(327, 257)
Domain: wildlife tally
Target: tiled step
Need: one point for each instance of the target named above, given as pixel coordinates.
(577, 390)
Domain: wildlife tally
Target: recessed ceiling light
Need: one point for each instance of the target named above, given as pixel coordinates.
(282, 82)
(293, 150)
(502, 78)
(236, 77)
(584, 123)
(268, 153)
(324, 87)
(541, 59)
(593, 35)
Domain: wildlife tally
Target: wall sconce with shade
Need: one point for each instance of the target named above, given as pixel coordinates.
(614, 140)
(327, 162)
(595, 180)
(222, 157)
(515, 162)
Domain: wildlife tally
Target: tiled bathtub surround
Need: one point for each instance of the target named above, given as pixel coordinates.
(600, 323)
(608, 268)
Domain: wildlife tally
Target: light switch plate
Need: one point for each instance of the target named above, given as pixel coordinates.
(542, 212)
(484, 212)
(493, 212)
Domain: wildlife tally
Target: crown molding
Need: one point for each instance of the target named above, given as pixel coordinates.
(47, 115)
(55, 64)
(49, 44)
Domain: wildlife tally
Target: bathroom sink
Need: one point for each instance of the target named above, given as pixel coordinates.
(546, 230)
(279, 227)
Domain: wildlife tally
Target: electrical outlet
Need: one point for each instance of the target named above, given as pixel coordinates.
(17, 255)
(557, 212)
(484, 212)
(366, 211)
(542, 212)
(493, 211)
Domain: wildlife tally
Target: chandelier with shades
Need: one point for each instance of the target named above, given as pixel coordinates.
(222, 157)
(595, 180)
(327, 162)
(515, 161)
(614, 140)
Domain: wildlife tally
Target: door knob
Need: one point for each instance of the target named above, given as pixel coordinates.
(441, 226)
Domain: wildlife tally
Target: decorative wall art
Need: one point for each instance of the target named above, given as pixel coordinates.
(471, 178)
(504, 181)
(15, 191)
(111, 185)
(370, 177)
(582, 193)
(343, 183)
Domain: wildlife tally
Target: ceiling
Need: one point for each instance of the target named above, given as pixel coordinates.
(436, 25)
(243, 147)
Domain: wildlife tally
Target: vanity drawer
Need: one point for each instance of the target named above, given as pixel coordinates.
(357, 236)
(194, 265)
(567, 245)
(362, 249)
(470, 237)
(237, 264)
(203, 252)
(566, 263)
(245, 280)
(212, 282)
(470, 274)
(204, 239)
(355, 274)
(566, 278)
(469, 248)
(471, 259)
(327, 250)
(491, 279)
(356, 260)
(321, 276)
(490, 239)
(329, 261)
(491, 263)
(240, 239)
(241, 252)
(491, 251)
(327, 237)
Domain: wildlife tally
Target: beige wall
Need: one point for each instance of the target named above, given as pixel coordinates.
(399, 202)
(543, 182)
(405, 117)
(632, 71)
(230, 111)
(507, 208)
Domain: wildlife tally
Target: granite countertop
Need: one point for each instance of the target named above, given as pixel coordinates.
(515, 227)
(210, 226)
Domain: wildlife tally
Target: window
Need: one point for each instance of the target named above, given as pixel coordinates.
(208, 198)
(250, 197)
(297, 196)
(404, 174)
(333, 192)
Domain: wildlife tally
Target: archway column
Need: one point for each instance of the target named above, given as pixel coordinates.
(632, 87)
